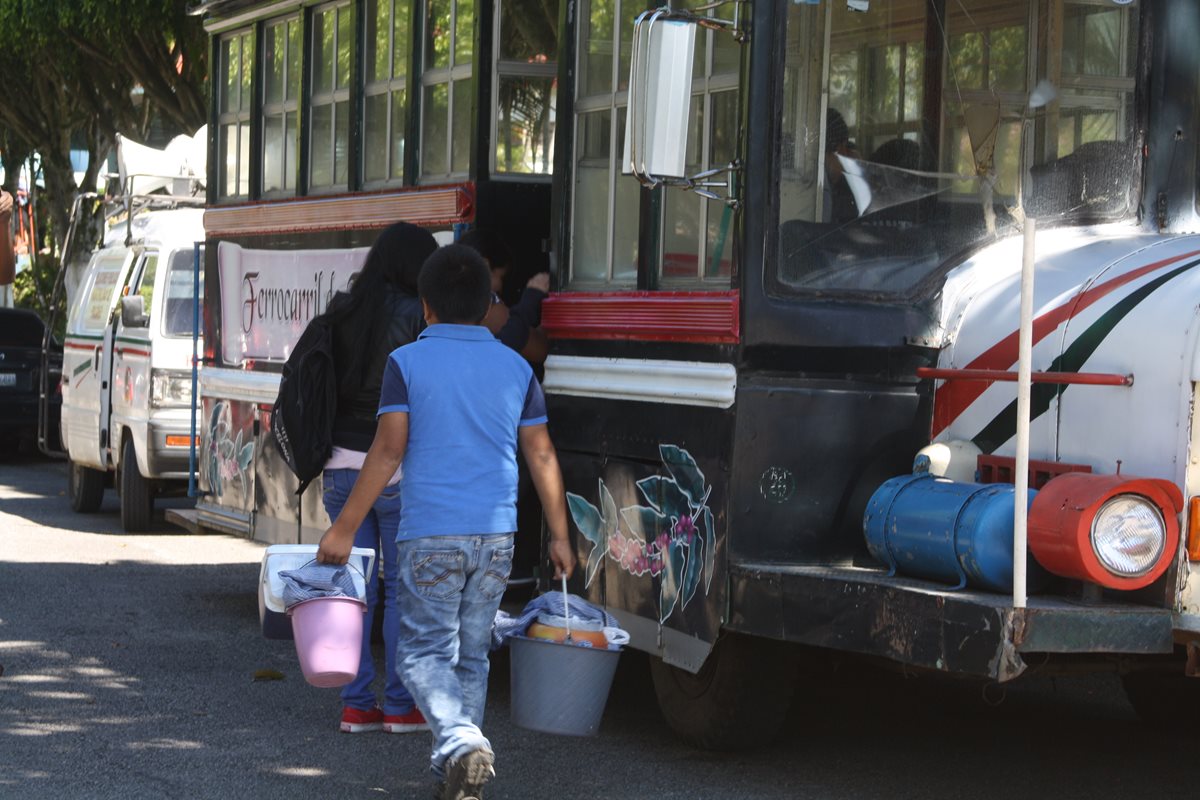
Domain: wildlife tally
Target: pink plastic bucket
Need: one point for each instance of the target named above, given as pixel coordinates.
(328, 633)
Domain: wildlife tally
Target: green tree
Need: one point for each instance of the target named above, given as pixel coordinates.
(85, 70)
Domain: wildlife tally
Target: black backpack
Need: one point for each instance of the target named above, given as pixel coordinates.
(303, 414)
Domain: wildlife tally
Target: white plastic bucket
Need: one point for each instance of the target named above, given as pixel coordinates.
(559, 687)
(328, 633)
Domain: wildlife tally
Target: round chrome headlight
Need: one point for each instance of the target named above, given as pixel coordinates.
(1128, 535)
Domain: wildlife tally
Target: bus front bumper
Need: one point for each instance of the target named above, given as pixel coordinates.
(926, 625)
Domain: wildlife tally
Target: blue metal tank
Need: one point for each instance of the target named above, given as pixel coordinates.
(960, 533)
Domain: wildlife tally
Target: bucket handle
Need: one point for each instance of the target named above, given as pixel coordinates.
(349, 564)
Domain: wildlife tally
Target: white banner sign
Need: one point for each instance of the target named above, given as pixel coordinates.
(268, 296)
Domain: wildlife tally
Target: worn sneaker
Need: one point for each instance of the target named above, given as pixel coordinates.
(357, 721)
(467, 775)
(411, 721)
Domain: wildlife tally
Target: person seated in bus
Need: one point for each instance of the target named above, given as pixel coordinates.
(839, 200)
(379, 313)
(454, 407)
(518, 326)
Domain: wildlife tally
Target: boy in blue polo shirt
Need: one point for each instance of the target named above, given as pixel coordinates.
(454, 406)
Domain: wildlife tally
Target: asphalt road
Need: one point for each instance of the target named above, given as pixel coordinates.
(129, 663)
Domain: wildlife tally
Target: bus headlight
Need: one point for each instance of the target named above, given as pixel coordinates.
(1114, 530)
(169, 389)
(1128, 535)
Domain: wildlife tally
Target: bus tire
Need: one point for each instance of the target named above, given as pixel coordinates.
(737, 701)
(1167, 701)
(85, 488)
(137, 492)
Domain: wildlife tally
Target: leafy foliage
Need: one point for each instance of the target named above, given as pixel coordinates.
(81, 71)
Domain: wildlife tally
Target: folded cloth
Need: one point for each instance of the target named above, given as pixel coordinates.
(315, 580)
(506, 626)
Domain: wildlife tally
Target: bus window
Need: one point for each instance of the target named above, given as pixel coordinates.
(446, 99)
(280, 109)
(388, 50)
(696, 234)
(526, 69)
(895, 159)
(236, 71)
(329, 121)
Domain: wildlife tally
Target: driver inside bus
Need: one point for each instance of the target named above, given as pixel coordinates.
(839, 200)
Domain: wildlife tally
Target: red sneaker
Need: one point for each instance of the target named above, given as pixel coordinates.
(405, 723)
(356, 721)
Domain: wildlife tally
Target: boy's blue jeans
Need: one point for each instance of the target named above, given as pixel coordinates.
(378, 532)
(450, 589)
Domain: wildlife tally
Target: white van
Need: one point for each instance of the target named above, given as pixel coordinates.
(127, 377)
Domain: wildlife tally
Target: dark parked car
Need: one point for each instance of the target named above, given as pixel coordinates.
(21, 335)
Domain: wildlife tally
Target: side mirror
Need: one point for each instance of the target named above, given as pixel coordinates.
(133, 312)
(660, 98)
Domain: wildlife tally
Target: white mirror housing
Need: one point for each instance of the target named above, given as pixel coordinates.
(660, 95)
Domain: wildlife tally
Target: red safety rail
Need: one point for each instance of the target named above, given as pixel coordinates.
(1065, 378)
(1001, 469)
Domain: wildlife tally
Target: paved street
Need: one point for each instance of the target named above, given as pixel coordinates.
(129, 664)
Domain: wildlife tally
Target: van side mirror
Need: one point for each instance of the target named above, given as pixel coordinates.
(133, 312)
(660, 98)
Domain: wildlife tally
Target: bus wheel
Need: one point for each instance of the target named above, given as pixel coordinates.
(738, 700)
(85, 488)
(137, 493)
(1169, 701)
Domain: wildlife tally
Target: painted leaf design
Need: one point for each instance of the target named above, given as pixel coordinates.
(683, 469)
(595, 559)
(608, 512)
(672, 575)
(214, 475)
(693, 570)
(246, 456)
(709, 529)
(587, 518)
(665, 496)
(644, 523)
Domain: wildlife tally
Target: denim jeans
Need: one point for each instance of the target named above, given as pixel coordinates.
(378, 532)
(450, 589)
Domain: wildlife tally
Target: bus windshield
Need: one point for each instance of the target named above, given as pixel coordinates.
(914, 131)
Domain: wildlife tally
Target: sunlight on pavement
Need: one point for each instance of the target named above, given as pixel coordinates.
(165, 744)
(301, 772)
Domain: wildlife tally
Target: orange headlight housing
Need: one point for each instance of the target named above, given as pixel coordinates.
(1076, 528)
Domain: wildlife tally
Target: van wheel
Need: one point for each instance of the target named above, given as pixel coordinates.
(85, 488)
(738, 700)
(137, 493)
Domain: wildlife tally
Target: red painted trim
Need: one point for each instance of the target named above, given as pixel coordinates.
(132, 352)
(952, 398)
(77, 346)
(1068, 378)
(425, 205)
(697, 317)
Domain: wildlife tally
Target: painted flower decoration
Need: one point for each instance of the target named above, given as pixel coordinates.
(672, 538)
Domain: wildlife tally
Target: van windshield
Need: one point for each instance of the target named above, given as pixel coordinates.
(896, 156)
(181, 281)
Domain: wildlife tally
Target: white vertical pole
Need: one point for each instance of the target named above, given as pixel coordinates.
(1024, 382)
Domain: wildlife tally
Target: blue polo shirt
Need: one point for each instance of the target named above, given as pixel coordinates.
(466, 394)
